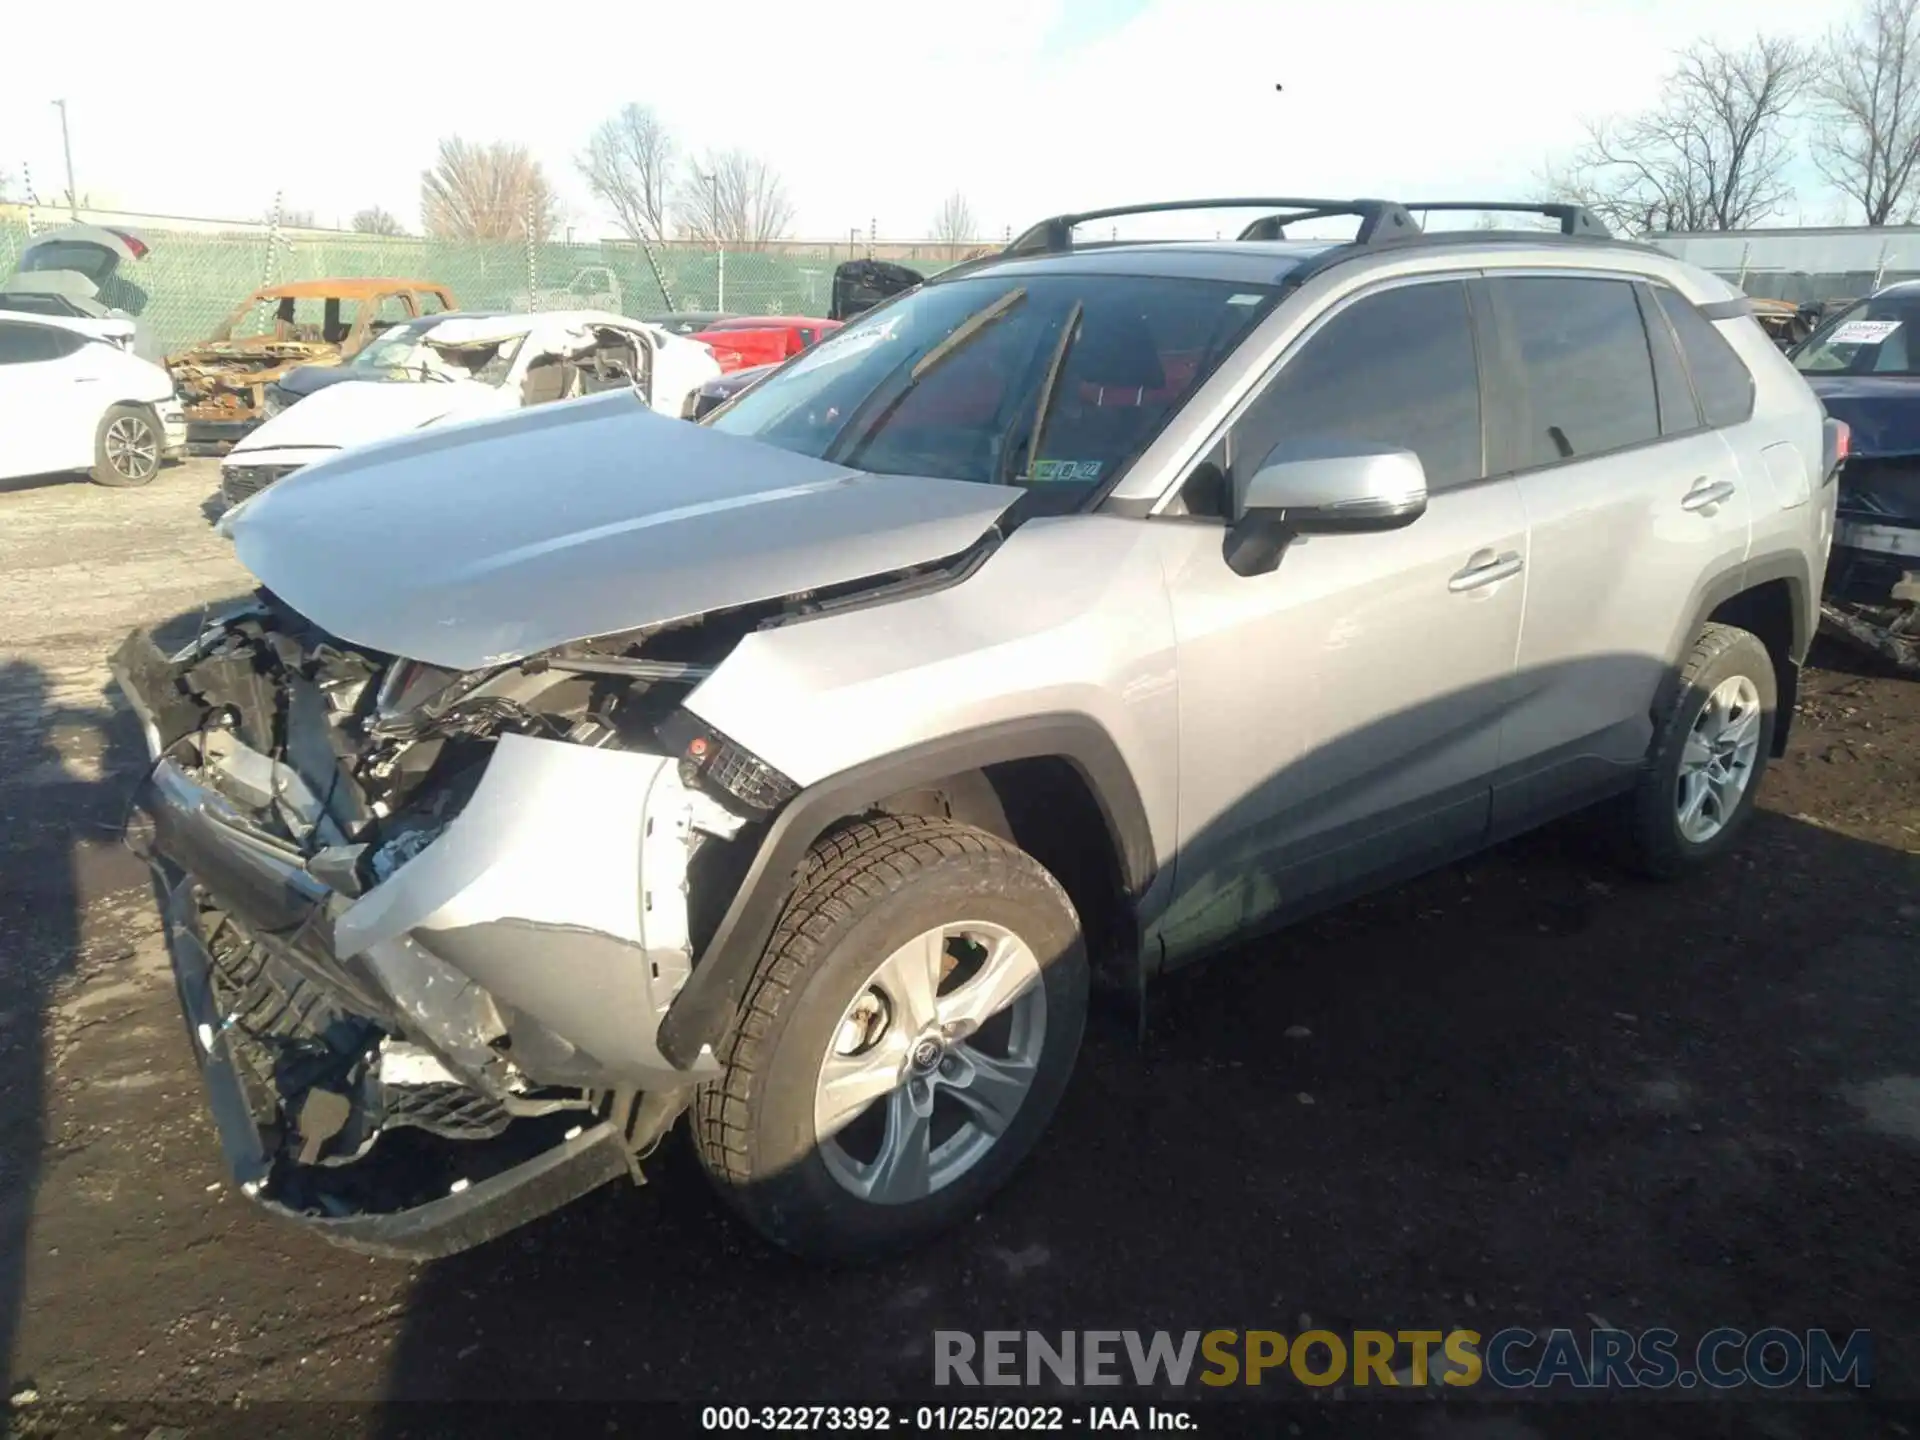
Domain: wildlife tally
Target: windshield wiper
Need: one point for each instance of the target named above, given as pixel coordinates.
(855, 434)
(963, 334)
(1043, 404)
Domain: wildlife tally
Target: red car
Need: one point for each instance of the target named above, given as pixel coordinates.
(747, 340)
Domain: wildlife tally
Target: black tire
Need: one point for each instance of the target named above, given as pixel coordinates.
(1656, 845)
(124, 463)
(869, 888)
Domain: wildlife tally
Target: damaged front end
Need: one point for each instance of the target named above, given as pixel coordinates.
(424, 924)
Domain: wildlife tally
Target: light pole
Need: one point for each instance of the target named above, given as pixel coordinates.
(712, 182)
(66, 144)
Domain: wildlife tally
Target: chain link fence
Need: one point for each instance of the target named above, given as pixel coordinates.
(192, 280)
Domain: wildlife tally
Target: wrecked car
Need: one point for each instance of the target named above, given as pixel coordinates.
(1864, 364)
(1785, 322)
(761, 339)
(222, 380)
(456, 367)
(859, 285)
(723, 387)
(578, 768)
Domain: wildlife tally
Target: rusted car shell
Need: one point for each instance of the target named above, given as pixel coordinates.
(222, 380)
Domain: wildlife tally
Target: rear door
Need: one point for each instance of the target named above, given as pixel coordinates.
(1630, 498)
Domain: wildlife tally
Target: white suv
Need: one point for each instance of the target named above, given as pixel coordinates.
(74, 396)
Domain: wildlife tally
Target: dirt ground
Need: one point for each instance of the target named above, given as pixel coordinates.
(1530, 1091)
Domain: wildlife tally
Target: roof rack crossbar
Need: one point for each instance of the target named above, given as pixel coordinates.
(1378, 219)
(1574, 219)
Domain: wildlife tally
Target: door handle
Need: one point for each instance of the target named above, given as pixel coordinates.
(86, 379)
(1704, 494)
(1486, 571)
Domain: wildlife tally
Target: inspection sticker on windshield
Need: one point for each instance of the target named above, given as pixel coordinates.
(1066, 469)
(1243, 299)
(1863, 332)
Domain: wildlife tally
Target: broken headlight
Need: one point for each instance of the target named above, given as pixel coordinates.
(711, 762)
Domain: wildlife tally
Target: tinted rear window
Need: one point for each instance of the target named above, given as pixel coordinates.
(1585, 370)
(1720, 377)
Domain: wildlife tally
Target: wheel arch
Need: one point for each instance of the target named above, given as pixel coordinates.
(992, 777)
(1773, 598)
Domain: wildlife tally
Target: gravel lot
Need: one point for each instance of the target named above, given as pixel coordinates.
(1533, 1091)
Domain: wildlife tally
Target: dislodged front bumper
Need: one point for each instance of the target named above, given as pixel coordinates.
(529, 948)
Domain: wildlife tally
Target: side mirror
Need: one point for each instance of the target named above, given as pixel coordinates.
(1335, 494)
(1294, 494)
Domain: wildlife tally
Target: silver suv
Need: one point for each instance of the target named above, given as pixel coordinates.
(1083, 611)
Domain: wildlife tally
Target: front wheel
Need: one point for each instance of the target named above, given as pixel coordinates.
(127, 447)
(1704, 770)
(907, 1036)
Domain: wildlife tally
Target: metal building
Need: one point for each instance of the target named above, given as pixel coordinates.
(1802, 263)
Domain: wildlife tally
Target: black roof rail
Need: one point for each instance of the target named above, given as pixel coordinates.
(1574, 219)
(1379, 219)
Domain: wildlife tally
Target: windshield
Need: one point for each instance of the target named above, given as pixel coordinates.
(408, 352)
(1872, 337)
(1047, 379)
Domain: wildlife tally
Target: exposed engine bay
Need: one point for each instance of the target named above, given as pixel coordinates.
(296, 777)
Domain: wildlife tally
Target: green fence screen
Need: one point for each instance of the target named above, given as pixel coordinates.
(193, 280)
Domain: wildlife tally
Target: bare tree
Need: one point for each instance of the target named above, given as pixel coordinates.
(486, 192)
(733, 199)
(374, 220)
(1713, 155)
(628, 165)
(953, 222)
(1866, 137)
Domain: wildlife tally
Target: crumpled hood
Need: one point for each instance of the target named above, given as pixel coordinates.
(353, 414)
(487, 540)
(1882, 411)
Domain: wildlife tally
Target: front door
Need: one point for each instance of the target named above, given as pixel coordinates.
(1340, 715)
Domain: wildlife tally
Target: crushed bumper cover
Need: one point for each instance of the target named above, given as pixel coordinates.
(530, 948)
(581, 1161)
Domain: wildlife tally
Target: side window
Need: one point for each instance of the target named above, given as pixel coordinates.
(1719, 377)
(25, 344)
(430, 303)
(1586, 377)
(1395, 370)
(1679, 411)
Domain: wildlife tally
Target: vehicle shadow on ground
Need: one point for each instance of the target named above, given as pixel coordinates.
(1523, 1090)
(44, 482)
(47, 871)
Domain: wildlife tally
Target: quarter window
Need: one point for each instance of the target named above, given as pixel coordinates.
(1586, 376)
(1719, 376)
(1393, 371)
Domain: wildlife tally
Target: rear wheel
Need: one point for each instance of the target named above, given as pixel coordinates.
(906, 1039)
(127, 448)
(1708, 756)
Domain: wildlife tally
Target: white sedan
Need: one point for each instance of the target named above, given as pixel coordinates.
(73, 396)
(462, 366)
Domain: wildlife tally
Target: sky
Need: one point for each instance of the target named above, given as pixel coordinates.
(872, 113)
